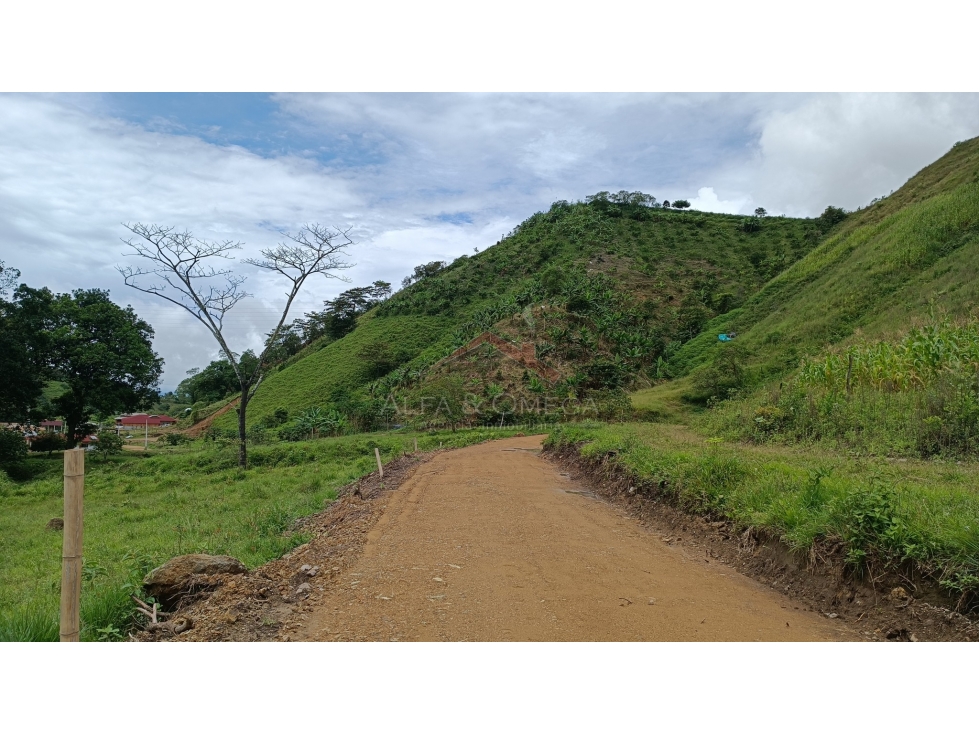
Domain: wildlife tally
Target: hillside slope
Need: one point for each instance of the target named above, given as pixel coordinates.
(883, 269)
(603, 290)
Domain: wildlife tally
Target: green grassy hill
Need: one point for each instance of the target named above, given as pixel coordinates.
(867, 344)
(327, 375)
(617, 296)
(605, 290)
(880, 271)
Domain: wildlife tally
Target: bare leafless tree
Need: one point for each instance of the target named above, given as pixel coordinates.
(185, 271)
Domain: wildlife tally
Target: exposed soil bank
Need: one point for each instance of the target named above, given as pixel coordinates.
(886, 606)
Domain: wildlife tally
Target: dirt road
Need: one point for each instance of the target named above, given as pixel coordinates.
(492, 542)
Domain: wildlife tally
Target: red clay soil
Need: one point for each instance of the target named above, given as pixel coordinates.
(524, 354)
(202, 425)
(492, 542)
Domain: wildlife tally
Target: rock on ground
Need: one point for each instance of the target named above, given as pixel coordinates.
(177, 577)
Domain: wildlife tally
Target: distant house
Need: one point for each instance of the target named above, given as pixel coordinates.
(137, 420)
(53, 426)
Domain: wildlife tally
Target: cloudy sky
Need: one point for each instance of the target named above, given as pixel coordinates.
(417, 177)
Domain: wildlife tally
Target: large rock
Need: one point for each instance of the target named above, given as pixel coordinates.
(185, 575)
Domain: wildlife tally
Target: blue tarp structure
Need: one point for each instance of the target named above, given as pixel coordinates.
(725, 337)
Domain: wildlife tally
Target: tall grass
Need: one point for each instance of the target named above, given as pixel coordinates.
(915, 396)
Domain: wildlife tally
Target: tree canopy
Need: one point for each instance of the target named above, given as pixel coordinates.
(216, 381)
(24, 331)
(8, 276)
(104, 355)
(337, 319)
(423, 271)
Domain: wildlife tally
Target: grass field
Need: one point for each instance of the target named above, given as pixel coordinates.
(140, 511)
(884, 511)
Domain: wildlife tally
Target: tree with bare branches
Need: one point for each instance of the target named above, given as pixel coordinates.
(185, 271)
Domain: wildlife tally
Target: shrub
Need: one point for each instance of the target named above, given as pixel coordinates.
(279, 417)
(175, 439)
(831, 216)
(721, 378)
(49, 442)
(864, 518)
(293, 432)
(109, 443)
(13, 448)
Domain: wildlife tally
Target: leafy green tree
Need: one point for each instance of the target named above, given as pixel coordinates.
(13, 448)
(104, 355)
(109, 443)
(216, 381)
(336, 320)
(831, 216)
(24, 332)
(760, 212)
(423, 271)
(681, 204)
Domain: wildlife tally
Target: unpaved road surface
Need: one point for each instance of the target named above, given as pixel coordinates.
(492, 543)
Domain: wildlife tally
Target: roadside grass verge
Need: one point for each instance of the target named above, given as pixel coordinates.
(884, 513)
(142, 510)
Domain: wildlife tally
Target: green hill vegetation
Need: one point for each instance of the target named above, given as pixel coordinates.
(889, 296)
(604, 290)
(881, 270)
(845, 414)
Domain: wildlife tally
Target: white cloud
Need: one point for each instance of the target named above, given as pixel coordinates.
(707, 201)
(845, 150)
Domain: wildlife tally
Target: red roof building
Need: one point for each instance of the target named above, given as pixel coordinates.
(142, 419)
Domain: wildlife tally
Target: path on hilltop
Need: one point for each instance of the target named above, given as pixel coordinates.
(492, 542)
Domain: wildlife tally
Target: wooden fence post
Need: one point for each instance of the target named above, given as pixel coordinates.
(380, 469)
(416, 445)
(71, 553)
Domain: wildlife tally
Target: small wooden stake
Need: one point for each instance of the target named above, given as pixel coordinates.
(416, 445)
(71, 553)
(380, 469)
